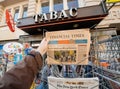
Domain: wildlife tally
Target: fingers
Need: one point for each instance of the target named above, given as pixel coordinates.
(43, 46)
(44, 41)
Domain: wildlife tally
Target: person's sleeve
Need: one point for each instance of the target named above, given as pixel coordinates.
(22, 74)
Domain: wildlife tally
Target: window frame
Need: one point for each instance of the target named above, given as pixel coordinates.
(48, 7)
(72, 2)
(15, 18)
(58, 4)
(25, 6)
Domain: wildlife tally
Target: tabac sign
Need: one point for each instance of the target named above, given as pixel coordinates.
(86, 17)
(54, 15)
(112, 1)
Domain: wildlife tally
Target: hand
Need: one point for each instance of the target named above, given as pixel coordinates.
(43, 46)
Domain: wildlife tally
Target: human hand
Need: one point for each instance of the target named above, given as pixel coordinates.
(43, 46)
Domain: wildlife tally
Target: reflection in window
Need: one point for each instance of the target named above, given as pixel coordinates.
(45, 7)
(58, 5)
(72, 3)
(24, 12)
(16, 15)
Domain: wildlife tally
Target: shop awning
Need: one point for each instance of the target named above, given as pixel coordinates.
(87, 17)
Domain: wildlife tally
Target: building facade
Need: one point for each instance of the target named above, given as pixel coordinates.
(33, 18)
(24, 9)
(6, 34)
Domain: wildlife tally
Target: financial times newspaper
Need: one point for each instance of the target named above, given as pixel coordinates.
(68, 47)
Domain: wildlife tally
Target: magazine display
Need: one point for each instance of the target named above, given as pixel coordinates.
(68, 47)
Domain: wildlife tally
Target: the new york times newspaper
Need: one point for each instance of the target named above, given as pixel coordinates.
(73, 83)
(68, 47)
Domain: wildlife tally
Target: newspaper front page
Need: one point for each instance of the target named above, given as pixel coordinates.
(68, 47)
(73, 83)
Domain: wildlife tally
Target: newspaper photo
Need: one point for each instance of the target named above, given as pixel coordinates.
(68, 47)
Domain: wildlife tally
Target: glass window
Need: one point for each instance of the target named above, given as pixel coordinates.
(16, 15)
(24, 12)
(72, 3)
(58, 5)
(45, 7)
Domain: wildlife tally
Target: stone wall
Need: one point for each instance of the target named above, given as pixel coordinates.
(32, 7)
(1, 12)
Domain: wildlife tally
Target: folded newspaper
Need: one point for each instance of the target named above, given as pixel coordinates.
(73, 83)
(68, 47)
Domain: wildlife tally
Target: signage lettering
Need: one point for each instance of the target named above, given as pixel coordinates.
(62, 14)
(43, 17)
(54, 15)
(73, 12)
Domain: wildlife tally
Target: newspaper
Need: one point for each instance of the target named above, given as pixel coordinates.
(68, 47)
(73, 83)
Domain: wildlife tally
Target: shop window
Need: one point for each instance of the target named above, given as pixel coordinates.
(24, 12)
(58, 5)
(45, 7)
(72, 3)
(16, 14)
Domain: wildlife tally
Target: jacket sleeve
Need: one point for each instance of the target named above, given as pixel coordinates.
(22, 74)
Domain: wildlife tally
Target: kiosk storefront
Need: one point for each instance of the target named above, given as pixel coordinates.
(74, 18)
